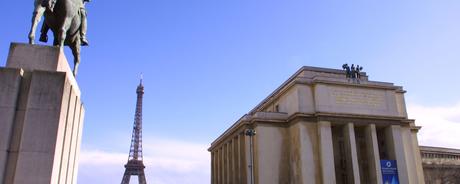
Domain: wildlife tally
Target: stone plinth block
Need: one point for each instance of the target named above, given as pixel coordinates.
(39, 57)
(41, 117)
(36, 57)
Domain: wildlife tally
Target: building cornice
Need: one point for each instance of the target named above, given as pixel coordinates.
(282, 119)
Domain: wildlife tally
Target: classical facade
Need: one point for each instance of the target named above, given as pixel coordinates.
(321, 126)
(440, 165)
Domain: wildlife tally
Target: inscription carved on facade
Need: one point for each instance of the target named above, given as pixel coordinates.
(374, 99)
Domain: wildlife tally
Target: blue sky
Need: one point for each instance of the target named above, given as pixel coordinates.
(206, 63)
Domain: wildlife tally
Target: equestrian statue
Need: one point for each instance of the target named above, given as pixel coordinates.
(67, 20)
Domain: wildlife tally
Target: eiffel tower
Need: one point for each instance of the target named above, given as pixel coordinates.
(135, 165)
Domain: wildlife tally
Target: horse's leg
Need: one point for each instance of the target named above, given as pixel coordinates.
(62, 33)
(55, 40)
(37, 15)
(75, 47)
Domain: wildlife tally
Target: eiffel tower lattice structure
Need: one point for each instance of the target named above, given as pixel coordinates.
(135, 165)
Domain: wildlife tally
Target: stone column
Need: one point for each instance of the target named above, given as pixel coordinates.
(225, 158)
(351, 154)
(243, 160)
(396, 151)
(326, 152)
(231, 166)
(219, 165)
(411, 154)
(239, 169)
(212, 167)
(222, 173)
(235, 160)
(417, 158)
(227, 162)
(372, 150)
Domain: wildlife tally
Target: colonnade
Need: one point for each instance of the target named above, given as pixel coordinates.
(228, 161)
(358, 162)
(339, 153)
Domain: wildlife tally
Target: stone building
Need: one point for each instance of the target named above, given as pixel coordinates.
(321, 126)
(440, 165)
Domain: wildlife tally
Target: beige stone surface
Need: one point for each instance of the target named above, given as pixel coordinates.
(78, 146)
(306, 99)
(272, 154)
(46, 58)
(213, 168)
(417, 157)
(33, 167)
(373, 154)
(305, 153)
(218, 166)
(401, 104)
(326, 152)
(289, 102)
(227, 163)
(42, 135)
(67, 136)
(3, 159)
(355, 100)
(16, 134)
(73, 142)
(396, 151)
(236, 161)
(10, 80)
(352, 155)
(410, 155)
(40, 57)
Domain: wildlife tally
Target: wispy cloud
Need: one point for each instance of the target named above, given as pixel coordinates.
(167, 162)
(440, 124)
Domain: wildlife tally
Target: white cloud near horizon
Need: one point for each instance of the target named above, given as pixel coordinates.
(440, 124)
(167, 162)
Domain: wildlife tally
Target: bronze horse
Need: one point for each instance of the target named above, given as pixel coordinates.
(65, 21)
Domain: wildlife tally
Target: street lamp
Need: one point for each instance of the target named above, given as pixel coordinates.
(251, 133)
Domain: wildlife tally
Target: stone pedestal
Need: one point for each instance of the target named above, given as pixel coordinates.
(41, 117)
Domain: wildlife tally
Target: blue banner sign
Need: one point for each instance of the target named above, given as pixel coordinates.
(389, 171)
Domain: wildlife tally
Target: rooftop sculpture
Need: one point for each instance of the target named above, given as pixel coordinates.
(352, 72)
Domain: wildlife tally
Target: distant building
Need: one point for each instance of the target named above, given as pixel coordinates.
(322, 126)
(441, 165)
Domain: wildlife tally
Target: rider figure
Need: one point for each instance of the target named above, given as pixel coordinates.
(50, 5)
